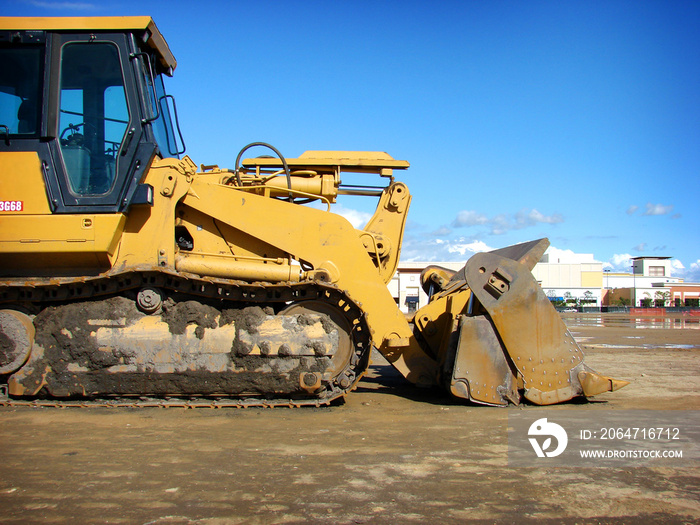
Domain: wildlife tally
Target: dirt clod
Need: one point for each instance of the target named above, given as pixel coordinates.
(179, 315)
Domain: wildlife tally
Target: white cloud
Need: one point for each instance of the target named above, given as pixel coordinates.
(654, 209)
(469, 218)
(431, 249)
(691, 273)
(502, 223)
(468, 248)
(529, 218)
(657, 209)
(75, 6)
(357, 218)
(641, 247)
(557, 255)
(442, 231)
(620, 262)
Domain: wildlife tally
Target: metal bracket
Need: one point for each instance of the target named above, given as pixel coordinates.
(169, 183)
(498, 283)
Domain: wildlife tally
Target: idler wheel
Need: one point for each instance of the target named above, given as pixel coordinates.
(345, 343)
(16, 340)
(149, 300)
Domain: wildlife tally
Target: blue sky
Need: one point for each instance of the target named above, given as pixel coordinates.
(577, 121)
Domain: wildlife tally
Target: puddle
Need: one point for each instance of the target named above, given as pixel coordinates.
(645, 347)
(634, 322)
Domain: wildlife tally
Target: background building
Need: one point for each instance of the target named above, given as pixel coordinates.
(574, 280)
(405, 285)
(571, 279)
(649, 284)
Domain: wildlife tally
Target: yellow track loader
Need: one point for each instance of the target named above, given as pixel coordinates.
(127, 272)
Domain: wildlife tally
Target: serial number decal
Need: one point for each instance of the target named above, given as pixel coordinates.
(11, 205)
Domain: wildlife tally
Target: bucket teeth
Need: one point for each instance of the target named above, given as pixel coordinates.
(593, 383)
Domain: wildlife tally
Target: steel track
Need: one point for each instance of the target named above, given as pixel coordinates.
(40, 293)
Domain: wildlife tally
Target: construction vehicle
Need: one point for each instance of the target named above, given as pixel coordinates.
(128, 274)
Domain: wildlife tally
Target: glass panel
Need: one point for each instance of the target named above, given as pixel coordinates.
(94, 115)
(163, 127)
(116, 122)
(20, 90)
(160, 109)
(147, 77)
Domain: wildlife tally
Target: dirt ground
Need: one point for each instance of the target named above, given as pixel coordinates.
(390, 454)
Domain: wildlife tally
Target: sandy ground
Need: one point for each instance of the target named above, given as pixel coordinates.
(390, 454)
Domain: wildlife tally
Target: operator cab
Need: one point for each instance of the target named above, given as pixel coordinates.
(91, 103)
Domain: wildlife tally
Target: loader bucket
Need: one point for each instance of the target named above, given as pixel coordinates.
(512, 337)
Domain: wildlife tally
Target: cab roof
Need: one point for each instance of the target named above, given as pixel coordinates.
(94, 23)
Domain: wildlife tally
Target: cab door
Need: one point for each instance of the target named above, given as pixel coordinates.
(94, 110)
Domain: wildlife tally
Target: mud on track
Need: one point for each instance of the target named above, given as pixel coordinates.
(390, 454)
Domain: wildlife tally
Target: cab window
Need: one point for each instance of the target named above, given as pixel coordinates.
(94, 115)
(160, 108)
(20, 90)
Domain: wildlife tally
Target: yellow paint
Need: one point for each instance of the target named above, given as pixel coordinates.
(22, 181)
(60, 233)
(94, 23)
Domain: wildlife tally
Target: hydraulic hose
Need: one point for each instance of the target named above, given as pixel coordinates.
(284, 163)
